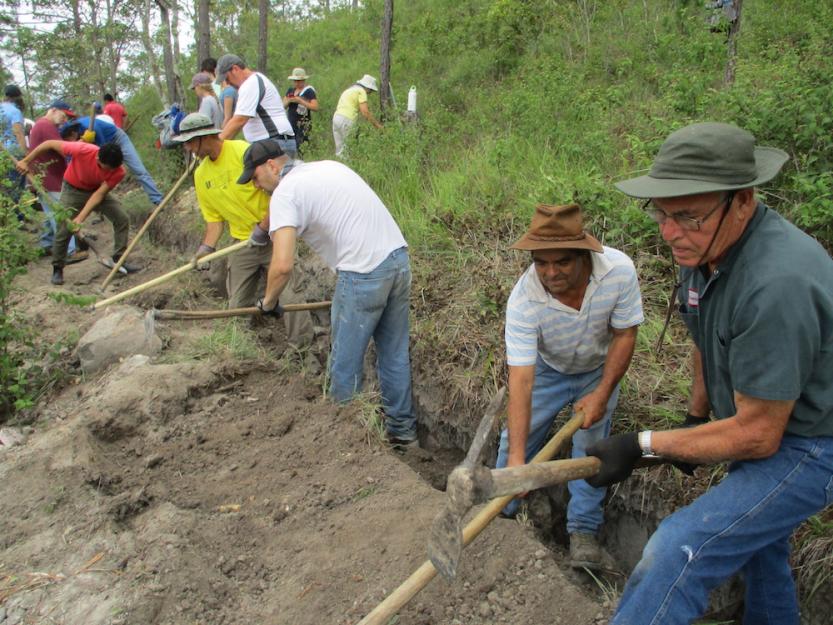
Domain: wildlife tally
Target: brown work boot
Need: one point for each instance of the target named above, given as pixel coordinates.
(585, 551)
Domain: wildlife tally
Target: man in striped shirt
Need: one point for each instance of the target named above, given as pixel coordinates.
(571, 325)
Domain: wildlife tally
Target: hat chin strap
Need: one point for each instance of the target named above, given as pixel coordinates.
(678, 284)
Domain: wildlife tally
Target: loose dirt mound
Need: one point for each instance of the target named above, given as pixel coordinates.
(183, 492)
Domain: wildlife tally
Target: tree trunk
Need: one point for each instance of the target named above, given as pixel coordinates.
(170, 72)
(153, 62)
(77, 24)
(734, 31)
(262, 33)
(203, 32)
(384, 69)
(355, 5)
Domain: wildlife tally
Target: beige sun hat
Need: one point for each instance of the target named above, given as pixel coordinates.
(368, 82)
(298, 74)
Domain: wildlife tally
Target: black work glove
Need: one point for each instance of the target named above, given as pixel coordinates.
(277, 311)
(619, 455)
(692, 421)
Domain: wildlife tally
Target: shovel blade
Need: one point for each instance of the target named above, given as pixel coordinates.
(445, 545)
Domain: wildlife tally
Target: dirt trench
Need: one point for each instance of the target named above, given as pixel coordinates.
(195, 489)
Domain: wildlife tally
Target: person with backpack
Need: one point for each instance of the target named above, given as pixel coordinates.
(299, 101)
(259, 112)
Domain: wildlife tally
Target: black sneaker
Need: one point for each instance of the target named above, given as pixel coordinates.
(403, 444)
(57, 276)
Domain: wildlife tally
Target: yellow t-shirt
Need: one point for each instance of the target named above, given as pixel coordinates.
(222, 199)
(348, 103)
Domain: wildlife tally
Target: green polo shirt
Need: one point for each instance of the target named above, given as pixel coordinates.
(763, 322)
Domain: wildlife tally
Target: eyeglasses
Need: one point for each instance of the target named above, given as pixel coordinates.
(686, 223)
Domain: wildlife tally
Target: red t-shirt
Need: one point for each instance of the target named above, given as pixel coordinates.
(117, 112)
(51, 164)
(84, 172)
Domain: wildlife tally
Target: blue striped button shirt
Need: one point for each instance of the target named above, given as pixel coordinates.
(573, 341)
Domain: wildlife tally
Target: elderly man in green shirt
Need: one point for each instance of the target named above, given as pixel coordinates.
(756, 294)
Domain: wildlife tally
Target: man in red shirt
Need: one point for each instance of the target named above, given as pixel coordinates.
(114, 110)
(50, 167)
(90, 176)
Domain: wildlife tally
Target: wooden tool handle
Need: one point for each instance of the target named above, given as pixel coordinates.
(233, 312)
(514, 480)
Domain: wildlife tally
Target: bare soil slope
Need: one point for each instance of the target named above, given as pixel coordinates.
(183, 492)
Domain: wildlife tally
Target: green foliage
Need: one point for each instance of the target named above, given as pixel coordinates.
(63, 297)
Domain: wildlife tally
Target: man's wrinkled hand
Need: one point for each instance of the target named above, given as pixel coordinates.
(259, 237)
(88, 136)
(592, 407)
(274, 311)
(619, 455)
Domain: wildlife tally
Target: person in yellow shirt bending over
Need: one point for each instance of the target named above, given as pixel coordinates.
(352, 102)
(246, 210)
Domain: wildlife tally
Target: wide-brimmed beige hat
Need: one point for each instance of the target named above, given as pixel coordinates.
(195, 125)
(369, 82)
(298, 74)
(558, 228)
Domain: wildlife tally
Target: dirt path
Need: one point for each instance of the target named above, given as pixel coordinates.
(185, 491)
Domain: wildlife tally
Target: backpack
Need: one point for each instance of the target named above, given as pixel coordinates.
(167, 123)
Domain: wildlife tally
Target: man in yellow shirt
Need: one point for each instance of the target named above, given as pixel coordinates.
(245, 209)
(352, 102)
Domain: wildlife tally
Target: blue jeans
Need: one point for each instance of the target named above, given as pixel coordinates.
(742, 524)
(136, 167)
(288, 146)
(375, 304)
(550, 393)
(50, 227)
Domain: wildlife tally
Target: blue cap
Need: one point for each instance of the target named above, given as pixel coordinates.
(61, 105)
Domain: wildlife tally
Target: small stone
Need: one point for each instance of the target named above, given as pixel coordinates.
(540, 554)
(484, 609)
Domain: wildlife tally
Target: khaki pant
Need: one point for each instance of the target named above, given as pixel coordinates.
(342, 130)
(245, 268)
(74, 200)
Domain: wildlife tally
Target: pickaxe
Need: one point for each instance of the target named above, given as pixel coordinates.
(469, 485)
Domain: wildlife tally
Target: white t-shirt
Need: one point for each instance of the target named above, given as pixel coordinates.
(568, 340)
(339, 216)
(247, 101)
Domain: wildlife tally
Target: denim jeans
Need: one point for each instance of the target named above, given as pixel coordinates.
(550, 393)
(50, 227)
(136, 167)
(288, 146)
(375, 304)
(742, 524)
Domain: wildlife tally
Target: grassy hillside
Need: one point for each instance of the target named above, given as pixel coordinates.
(524, 101)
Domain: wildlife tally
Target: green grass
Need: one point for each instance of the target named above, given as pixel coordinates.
(62, 297)
(229, 340)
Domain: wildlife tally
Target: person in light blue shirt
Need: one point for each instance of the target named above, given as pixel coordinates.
(14, 140)
(571, 325)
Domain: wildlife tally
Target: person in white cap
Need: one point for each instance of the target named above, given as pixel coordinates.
(259, 112)
(299, 101)
(353, 101)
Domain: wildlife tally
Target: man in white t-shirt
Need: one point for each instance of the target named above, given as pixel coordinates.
(346, 224)
(571, 325)
(259, 111)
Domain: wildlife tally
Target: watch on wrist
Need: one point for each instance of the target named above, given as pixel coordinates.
(644, 439)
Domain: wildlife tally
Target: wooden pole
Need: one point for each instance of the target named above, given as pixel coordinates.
(233, 312)
(419, 579)
(147, 223)
(171, 274)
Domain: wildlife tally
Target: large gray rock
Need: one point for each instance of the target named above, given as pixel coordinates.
(121, 333)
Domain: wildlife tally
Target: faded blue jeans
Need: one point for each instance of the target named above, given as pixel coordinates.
(742, 524)
(552, 391)
(134, 163)
(375, 305)
(50, 227)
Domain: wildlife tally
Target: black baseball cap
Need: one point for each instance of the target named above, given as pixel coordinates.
(256, 154)
(12, 91)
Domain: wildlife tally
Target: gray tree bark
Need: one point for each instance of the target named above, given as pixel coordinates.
(153, 62)
(262, 35)
(203, 31)
(170, 72)
(731, 45)
(384, 64)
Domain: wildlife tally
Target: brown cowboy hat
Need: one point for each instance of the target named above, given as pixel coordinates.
(556, 228)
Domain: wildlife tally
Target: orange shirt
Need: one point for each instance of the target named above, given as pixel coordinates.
(84, 171)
